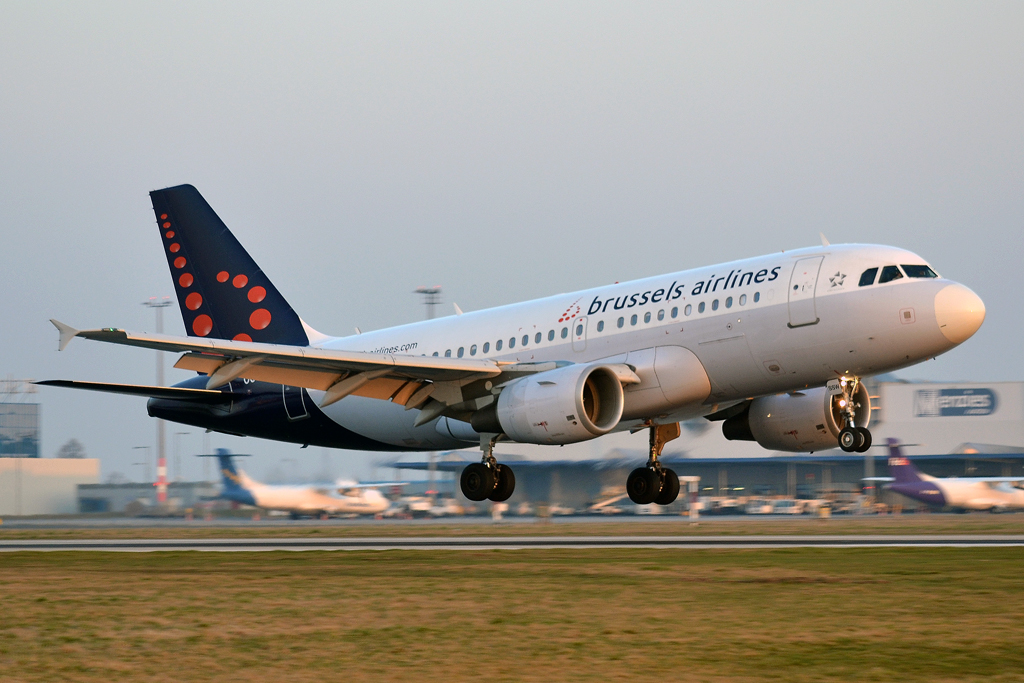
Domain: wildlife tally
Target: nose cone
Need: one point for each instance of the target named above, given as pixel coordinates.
(959, 312)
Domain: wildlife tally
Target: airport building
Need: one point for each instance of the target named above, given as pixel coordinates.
(19, 430)
(140, 498)
(44, 486)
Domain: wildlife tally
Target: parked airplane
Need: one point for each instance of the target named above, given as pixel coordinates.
(340, 499)
(773, 346)
(996, 494)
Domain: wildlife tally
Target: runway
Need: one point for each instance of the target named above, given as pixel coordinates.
(514, 543)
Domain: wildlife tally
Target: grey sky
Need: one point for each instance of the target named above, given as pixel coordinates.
(504, 151)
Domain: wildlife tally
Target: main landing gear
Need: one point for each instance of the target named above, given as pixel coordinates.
(487, 480)
(654, 483)
(852, 439)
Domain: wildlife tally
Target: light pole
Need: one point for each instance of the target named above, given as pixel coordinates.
(177, 455)
(431, 298)
(147, 463)
(161, 455)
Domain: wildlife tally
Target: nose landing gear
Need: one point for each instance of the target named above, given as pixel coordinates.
(851, 437)
(654, 483)
(487, 480)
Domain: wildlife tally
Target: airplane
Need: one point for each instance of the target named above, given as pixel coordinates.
(358, 499)
(995, 494)
(774, 347)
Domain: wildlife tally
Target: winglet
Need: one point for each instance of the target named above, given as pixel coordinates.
(67, 333)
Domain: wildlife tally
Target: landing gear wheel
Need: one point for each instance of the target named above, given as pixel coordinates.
(505, 486)
(866, 437)
(669, 488)
(477, 481)
(850, 439)
(643, 485)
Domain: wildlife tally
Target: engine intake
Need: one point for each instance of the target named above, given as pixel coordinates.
(565, 405)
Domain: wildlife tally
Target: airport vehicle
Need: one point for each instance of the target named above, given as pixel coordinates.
(342, 498)
(772, 346)
(995, 494)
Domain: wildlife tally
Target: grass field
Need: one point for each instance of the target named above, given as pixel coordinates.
(981, 523)
(567, 615)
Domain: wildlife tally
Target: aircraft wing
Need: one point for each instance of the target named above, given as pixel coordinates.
(402, 379)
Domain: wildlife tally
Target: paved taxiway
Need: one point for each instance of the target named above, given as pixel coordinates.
(514, 543)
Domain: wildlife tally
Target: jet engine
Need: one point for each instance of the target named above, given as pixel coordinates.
(808, 420)
(564, 405)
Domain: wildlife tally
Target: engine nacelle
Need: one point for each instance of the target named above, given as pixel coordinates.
(808, 420)
(565, 405)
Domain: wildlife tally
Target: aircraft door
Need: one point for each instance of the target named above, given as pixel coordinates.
(294, 402)
(579, 334)
(801, 291)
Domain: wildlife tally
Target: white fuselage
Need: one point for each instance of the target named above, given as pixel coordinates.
(758, 326)
(313, 500)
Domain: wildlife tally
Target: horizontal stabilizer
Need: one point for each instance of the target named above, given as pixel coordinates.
(174, 393)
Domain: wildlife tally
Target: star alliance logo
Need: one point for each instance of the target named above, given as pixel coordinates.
(837, 279)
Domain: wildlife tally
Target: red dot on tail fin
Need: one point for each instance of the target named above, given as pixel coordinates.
(175, 248)
(241, 337)
(222, 276)
(194, 301)
(179, 262)
(163, 216)
(259, 319)
(240, 281)
(202, 325)
(186, 280)
(167, 224)
(257, 294)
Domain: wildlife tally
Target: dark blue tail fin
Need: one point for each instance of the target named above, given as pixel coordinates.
(901, 469)
(233, 486)
(221, 291)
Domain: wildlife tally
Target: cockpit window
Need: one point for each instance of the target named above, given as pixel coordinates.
(918, 271)
(890, 273)
(868, 277)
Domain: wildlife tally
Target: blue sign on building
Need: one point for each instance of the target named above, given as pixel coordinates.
(954, 402)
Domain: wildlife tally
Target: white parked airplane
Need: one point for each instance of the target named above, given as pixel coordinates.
(343, 498)
(996, 494)
(773, 346)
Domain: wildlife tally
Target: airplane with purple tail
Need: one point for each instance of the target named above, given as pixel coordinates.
(995, 494)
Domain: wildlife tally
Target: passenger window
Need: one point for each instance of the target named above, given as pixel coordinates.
(512, 343)
(497, 345)
(632, 319)
(743, 299)
(435, 353)
(472, 350)
(487, 346)
(868, 277)
(537, 338)
(620, 322)
(526, 339)
(890, 273)
(551, 335)
(600, 326)
(700, 307)
(675, 311)
(714, 305)
(647, 317)
(448, 353)
(579, 330)
(565, 332)
(757, 297)
(661, 314)
(728, 302)
(686, 311)
(918, 271)
(462, 350)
